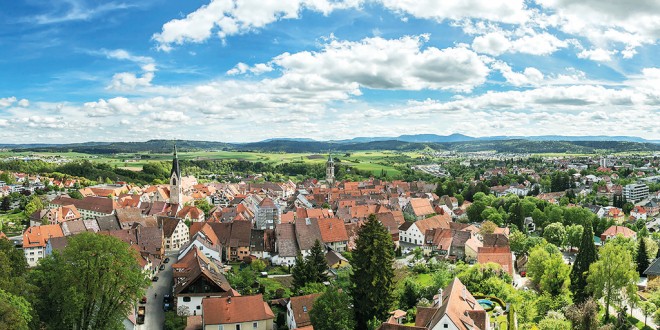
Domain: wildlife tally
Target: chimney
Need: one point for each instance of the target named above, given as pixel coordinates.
(228, 300)
(438, 299)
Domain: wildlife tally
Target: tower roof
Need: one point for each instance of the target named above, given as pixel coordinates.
(175, 165)
(330, 160)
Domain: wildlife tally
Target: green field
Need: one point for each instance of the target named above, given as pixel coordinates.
(372, 161)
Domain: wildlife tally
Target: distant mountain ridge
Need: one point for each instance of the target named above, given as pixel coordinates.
(457, 137)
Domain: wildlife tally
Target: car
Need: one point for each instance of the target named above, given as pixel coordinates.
(167, 298)
(155, 279)
(167, 260)
(143, 300)
(140, 314)
(162, 267)
(523, 274)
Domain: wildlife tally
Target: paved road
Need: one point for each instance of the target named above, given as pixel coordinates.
(155, 316)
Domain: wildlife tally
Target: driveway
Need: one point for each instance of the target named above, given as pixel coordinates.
(155, 316)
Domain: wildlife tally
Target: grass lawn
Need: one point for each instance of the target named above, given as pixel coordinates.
(16, 218)
(423, 280)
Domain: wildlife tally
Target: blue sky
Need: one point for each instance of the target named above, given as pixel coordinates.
(228, 70)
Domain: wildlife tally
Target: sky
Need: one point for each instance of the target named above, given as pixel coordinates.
(247, 70)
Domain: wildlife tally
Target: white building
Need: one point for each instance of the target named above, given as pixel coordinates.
(635, 192)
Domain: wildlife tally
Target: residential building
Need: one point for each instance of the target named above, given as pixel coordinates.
(333, 233)
(195, 278)
(653, 271)
(175, 232)
(297, 311)
(35, 240)
(88, 207)
(237, 313)
(635, 192)
(613, 231)
(414, 232)
(419, 208)
(267, 214)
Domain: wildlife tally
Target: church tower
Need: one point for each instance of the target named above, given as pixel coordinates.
(176, 191)
(330, 171)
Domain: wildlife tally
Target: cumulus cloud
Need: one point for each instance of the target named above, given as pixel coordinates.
(169, 116)
(530, 76)
(609, 24)
(379, 63)
(494, 43)
(114, 106)
(242, 68)
(24, 103)
(505, 11)
(500, 42)
(7, 101)
(129, 80)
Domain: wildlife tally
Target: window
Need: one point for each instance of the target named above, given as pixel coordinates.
(255, 325)
(238, 327)
(186, 299)
(221, 327)
(445, 325)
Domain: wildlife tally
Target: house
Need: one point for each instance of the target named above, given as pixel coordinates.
(237, 313)
(175, 232)
(336, 260)
(453, 308)
(639, 213)
(196, 277)
(35, 240)
(419, 208)
(286, 246)
(616, 214)
(55, 215)
(614, 231)
(191, 213)
(297, 311)
(206, 242)
(500, 255)
(333, 233)
(414, 232)
(653, 271)
(267, 214)
(89, 207)
(307, 233)
(390, 221)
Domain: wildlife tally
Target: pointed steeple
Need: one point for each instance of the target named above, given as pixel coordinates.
(175, 165)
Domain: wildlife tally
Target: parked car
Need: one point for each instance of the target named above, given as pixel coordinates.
(155, 279)
(167, 260)
(167, 302)
(140, 314)
(162, 267)
(523, 274)
(143, 300)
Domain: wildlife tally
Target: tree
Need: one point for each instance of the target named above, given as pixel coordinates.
(204, 205)
(317, 264)
(583, 316)
(474, 211)
(536, 265)
(15, 311)
(554, 324)
(555, 233)
(174, 321)
(332, 311)
(300, 273)
(92, 284)
(610, 274)
(409, 295)
(33, 205)
(488, 227)
(573, 236)
(642, 257)
(547, 269)
(5, 205)
(258, 265)
(75, 194)
(373, 275)
(585, 257)
(518, 217)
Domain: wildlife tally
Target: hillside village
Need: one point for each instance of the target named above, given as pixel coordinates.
(470, 254)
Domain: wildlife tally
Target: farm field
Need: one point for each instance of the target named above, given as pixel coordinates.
(372, 161)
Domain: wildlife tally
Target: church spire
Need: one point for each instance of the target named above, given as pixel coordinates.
(176, 191)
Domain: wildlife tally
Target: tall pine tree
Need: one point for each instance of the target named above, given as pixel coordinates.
(586, 256)
(373, 275)
(642, 257)
(300, 273)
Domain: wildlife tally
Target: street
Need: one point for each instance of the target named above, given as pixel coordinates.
(155, 316)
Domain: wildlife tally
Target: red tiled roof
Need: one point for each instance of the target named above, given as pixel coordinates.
(332, 230)
(239, 309)
(39, 235)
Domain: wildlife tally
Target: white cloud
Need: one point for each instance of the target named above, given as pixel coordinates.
(505, 11)
(121, 54)
(4, 123)
(242, 68)
(598, 55)
(494, 43)
(230, 17)
(129, 80)
(538, 44)
(530, 76)
(7, 101)
(169, 116)
(111, 107)
(24, 103)
(379, 63)
(609, 24)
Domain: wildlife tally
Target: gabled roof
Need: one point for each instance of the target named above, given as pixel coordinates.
(458, 304)
(168, 225)
(654, 268)
(194, 265)
(421, 206)
(332, 230)
(619, 230)
(301, 307)
(498, 255)
(229, 310)
(95, 204)
(307, 233)
(286, 240)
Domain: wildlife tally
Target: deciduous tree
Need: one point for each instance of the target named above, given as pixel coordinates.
(332, 311)
(92, 284)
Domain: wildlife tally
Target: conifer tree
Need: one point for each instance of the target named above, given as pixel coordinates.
(642, 257)
(373, 275)
(586, 256)
(300, 273)
(316, 263)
